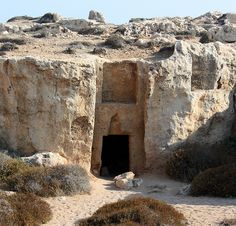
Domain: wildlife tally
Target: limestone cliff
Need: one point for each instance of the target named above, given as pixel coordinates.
(160, 83)
(47, 106)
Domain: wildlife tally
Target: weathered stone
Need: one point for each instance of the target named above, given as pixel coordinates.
(185, 190)
(171, 94)
(127, 181)
(49, 18)
(75, 25)
(226, 33)
(128, 176)
(48, 106)
(45, 159)
(94, 15)
(99, 50)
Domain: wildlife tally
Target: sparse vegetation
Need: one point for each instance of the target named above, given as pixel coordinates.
(17, 41)
(22, 209)
(219, 181)
(51, 181)
(135, 211)
(10, 166)
(115, 41)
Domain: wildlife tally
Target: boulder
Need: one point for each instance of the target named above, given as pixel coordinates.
(45, 159)
(49, 18)
(94, 15)
(226, 33)
(227, 18)
(77, 25)
(127, 181)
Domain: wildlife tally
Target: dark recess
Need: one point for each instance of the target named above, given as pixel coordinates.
(115, 155)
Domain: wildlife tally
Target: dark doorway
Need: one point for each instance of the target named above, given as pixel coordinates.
(115, 155)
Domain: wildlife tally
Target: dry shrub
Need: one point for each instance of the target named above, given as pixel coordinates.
(51, 181)
(23, 209)
(9, 167)
(185, 164)
(135, 211)
(219, 181)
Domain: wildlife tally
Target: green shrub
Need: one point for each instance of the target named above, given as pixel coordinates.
(185, 164)
(219, 181)
(10, 166)
(51, 181)
(23, 209)
(135, 211)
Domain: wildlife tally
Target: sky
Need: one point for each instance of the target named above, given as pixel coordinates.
(119, 11)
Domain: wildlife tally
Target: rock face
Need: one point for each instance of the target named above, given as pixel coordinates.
(135, 92)
(190, 98)
(47, 106)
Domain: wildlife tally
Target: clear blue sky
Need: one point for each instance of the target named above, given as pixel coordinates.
(118, 11)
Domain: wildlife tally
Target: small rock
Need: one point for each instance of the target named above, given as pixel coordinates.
(69, 51)
(185, 190)
(94, 15)
(45, 159)
(137, 182)
(99, 50)
(127, 175)
(127, 181)
(157, 188)
(124, 183)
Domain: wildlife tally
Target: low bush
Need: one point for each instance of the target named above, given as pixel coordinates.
(185, 164)
(219, 181)
(10, 166)
(135, 211)
(51, 181)
(22, 209)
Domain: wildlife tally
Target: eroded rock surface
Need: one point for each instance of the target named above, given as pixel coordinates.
(163, 82)
(47, 106)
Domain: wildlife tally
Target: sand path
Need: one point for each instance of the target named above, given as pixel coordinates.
(202, 211)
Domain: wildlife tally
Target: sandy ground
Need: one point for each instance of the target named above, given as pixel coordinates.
(202, 211)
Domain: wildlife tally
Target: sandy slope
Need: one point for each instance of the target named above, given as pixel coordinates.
(199, 211)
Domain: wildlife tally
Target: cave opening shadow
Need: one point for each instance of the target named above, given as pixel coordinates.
(115, 155)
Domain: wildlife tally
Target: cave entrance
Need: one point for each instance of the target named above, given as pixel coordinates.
(115, 155)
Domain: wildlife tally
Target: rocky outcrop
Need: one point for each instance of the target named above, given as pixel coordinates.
(45, 159)
(47, 106)
(190, 99)
(176, 91)
(94, 15)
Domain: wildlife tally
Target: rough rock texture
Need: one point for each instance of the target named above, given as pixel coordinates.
(94, 15)
(45, 159)
(47, 106)
(127, 181)
(163, 89)
(190, 99)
